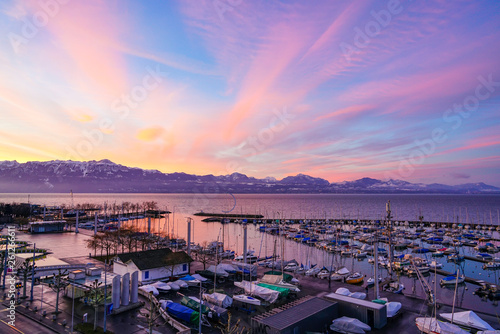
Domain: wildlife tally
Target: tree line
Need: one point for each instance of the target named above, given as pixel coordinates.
(125, 240)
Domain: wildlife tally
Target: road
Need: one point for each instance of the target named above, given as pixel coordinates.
(24, 325)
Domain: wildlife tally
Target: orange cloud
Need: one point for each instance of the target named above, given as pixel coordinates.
(150, 134)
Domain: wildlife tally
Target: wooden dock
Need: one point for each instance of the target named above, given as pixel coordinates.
(467, 279)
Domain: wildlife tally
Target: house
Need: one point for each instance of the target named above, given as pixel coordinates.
(153, 265)
(47, 226)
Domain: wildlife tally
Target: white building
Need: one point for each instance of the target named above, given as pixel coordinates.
(153, 265)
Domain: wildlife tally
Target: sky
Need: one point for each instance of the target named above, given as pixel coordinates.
(405, 90)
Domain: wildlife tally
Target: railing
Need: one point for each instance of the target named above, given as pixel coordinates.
(181, 328)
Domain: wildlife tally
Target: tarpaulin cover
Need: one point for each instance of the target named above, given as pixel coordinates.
(194, 305)
(219, 299)
(258, 291)
(283, 291)
(183, 312)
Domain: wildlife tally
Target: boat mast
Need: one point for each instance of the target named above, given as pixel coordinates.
(389, 222)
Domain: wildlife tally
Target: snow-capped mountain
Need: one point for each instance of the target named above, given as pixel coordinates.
(106, 176)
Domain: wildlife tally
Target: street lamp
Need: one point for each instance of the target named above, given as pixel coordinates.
(73, 306)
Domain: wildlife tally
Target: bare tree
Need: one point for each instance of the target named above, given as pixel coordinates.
(58, 284)
(152, 314)
(95, 297)
(25, 269)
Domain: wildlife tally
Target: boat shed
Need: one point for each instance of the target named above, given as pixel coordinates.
(372, 314)
(47, 226)
(306, 314)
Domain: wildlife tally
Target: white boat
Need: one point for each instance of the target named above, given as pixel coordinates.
(433, 326)
(291, 267)
(313, 271)
(219, 271)
(394, 287)
(491, 265)
(371, 281)
(323, 273)
(173, 286)
(340, 274)
(149, 288)
(220, 299)
(254, 290)
(468, 319)
(360, 255)
(435, 265)
(393, 309)
(182, 284)
(246, 299)
(347, 292)
(349, 325)
(161, 286)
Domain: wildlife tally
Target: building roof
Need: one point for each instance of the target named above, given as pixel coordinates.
(156, 258)
(297, 313)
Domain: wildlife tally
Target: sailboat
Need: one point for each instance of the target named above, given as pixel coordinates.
(468, 319)
(355, 278)
(434, 326)
(453, 279)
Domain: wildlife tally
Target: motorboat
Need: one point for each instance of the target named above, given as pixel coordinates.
(355, 278)
(435, 265)
(484, 256)
(468, 319)
(491, 265)
(488, 290)
(360, 254)
(394, 287)
(456, 258)
(371, 281)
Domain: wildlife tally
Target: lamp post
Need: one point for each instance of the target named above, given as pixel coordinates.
(105, 294)
(33, 273)
(73, 307)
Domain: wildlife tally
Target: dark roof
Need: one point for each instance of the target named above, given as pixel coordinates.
(297, 313)
(155, 258)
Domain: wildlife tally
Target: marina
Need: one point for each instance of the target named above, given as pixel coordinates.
(330, 251)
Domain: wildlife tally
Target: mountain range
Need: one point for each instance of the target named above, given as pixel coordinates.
(105, 176)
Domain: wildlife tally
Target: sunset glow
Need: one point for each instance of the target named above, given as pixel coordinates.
(340, 90)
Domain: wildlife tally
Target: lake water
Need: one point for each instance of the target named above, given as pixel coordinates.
(473, 209)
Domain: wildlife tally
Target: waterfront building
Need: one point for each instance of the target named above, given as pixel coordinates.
(153, 265)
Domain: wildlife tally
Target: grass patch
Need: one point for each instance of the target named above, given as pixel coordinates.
(89, 328)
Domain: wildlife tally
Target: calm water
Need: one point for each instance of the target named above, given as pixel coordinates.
(447, 208)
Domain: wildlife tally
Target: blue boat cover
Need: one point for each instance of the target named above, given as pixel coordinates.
(187, 278)
(180, 311)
